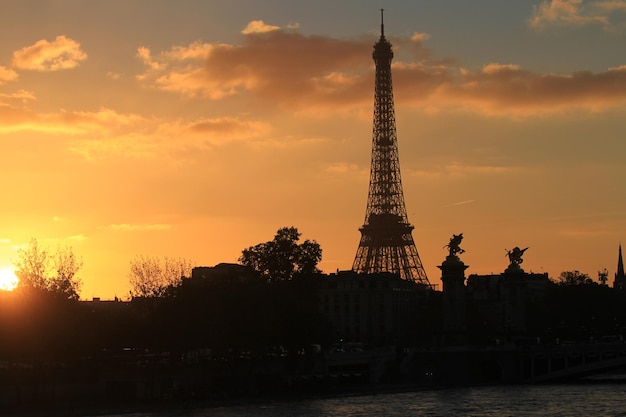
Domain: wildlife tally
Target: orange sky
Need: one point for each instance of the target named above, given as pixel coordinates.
(189, 129)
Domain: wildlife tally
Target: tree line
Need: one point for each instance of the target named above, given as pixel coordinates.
(280, 259)
(268, 300)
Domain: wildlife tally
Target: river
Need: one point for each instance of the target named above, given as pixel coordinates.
(594, 399)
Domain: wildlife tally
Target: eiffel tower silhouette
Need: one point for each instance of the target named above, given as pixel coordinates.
(386, 236)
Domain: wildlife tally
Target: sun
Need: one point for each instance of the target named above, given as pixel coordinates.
(8, 280)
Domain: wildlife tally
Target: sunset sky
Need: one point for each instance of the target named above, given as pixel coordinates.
(197, 128)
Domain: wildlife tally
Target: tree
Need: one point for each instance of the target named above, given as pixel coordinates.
(151, 277)
(283, 258)
(66, 266)
(574, 278)
(56, 273)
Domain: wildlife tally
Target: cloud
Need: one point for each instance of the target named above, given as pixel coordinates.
(221, 129)
(126, 144)
(13, 119)
(104, 120)
(610, 6)
(140, 227)
(303, 74)
(317, 74)
(145, 138)
(343, 168)
(145, 56)
(270, 65)
(419, 37)
(62, 53)
(573, 13)
(508, 89)
(258, 26)
(460, 203)
(459, 170)
(22, 96)
(495, 68)
(562, 13)
(7, 74)
(181, 70)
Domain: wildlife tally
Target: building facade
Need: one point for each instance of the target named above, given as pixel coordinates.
(373, 309)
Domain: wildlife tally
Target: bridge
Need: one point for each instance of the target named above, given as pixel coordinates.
(543, 363)
(515, 363)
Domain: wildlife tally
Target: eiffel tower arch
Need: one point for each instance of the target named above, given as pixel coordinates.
(386, 243)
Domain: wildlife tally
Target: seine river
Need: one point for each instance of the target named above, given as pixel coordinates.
(597, 400)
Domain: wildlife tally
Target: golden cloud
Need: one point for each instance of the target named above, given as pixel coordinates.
(258, 26)
(20, 96)
(62, 53)
(16, 118)
(7, 74)
(103, 118)
(127, 144)
(145, 56)
(611, 5)
(343, 168)
(13, 119)
(508, 89)
(420, 37)
(311, 73)
(228, 128)
(140, 227)
(145, 138)
(276, 65)
(460, 170)
(576, 14)
(564, 13)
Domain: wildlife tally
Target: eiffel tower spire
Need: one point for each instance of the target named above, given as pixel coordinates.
(386, 236)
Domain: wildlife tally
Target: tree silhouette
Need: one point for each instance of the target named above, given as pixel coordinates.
(283, 257)
(574, 278)
(56, 273)
(66, 265)
(151, 276)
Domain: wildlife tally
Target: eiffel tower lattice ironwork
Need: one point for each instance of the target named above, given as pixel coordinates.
(386, 237)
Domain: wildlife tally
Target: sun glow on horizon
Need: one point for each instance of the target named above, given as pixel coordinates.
(8, 279)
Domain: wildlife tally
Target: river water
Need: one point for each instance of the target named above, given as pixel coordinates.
(597, 400)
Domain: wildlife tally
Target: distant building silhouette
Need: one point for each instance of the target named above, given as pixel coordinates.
(386, 243)
(375, 309)
(620, 279)
(499, 302)
(222, 273)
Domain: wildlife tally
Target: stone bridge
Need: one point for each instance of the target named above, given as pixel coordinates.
(514, 364)
(542, 363)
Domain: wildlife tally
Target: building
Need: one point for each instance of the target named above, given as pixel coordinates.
(374, 309)
(498, 303)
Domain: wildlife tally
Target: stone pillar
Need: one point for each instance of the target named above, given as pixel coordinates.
(513, 291)
(454, 305)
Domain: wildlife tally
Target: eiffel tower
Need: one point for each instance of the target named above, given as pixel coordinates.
(386, 237)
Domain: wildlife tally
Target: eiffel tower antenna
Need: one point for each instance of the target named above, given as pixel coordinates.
(386, 243)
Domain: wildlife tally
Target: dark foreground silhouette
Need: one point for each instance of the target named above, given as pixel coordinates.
(231, 335)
